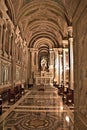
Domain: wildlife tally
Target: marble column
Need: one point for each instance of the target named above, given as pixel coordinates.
(9, 52)
(9, 73)
(65, 43)
(34, 55)
(51, 67)
(60, 66)
(0, 73)
(37, 60)
(70, 33)
(4, 39)
(19, 53)
(17, 49)
(31, 57)
(1, 35)
(22, 60)
(32, 61)
(56, 73)
(29, 64)
(13, 70)
(32, 52)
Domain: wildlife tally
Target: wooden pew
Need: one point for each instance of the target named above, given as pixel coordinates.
(14, 94)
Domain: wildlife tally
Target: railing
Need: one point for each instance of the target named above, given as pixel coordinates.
(44, 80)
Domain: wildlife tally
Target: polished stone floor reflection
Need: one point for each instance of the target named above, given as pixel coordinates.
(37, 110)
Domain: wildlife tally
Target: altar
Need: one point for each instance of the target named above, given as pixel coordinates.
(44, 78)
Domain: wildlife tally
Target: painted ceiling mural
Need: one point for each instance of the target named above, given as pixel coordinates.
(41, 21)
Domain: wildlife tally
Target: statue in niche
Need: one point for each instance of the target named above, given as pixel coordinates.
(43, 64)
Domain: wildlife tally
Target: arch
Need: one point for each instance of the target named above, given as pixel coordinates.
(43, 42)
(39, 35)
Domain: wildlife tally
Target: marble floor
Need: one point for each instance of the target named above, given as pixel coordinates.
(37, 110)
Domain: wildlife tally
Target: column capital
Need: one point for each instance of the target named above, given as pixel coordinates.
(60, 50)
(71, 40)
(70, 28)
(55, 49)
(65, 43)
(50, 49)
(70, 31)
(31, 50)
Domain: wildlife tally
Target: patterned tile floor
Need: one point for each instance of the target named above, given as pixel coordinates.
(37, 110)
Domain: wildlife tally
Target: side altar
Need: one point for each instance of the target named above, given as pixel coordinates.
(44, 78)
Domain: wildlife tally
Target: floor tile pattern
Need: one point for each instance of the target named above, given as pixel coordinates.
(37, 110)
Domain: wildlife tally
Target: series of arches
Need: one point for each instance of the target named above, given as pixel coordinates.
(40, 19)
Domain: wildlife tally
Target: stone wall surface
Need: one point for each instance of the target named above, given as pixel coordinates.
(80, 63)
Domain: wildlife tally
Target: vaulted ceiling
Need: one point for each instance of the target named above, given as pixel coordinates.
(43, 23)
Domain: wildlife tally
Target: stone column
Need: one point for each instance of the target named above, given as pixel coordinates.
(56, 71)
(22, 63)
(32, 62)
(32, 59)
(29, 65)
(60, 66)
(65, 43)
(13, 69)
(0, 73)
(9, 52)
(70, 32)
(37, 60)
(19, 53)
(51, 67)
(35, 53)
(1, 35)
(16, 52)
(4, 39)
(8, 73)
